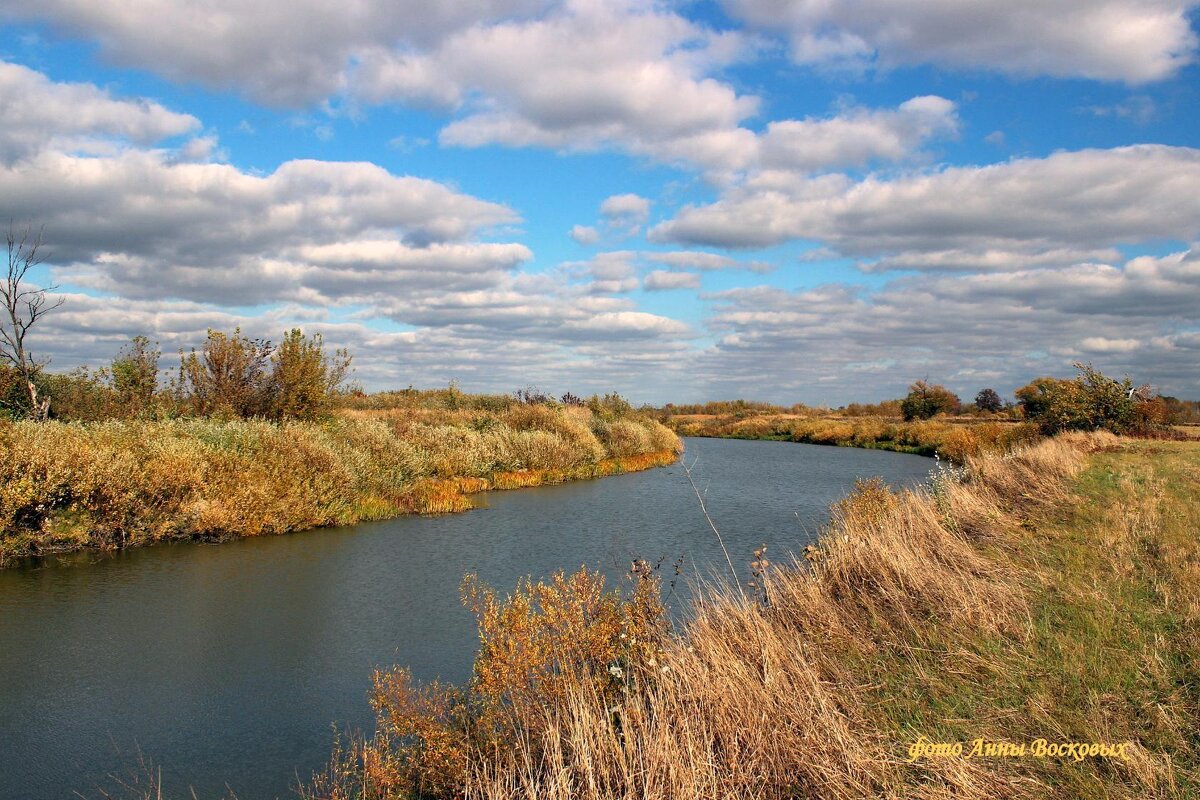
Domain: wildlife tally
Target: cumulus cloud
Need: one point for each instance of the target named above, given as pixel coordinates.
(624, 214)
(288, 53)
(586, 235)
(633, 75)
(1083, 199)
(857, 136)
(1102, 39)
(143, 221)
(626, 207)
(175, 242)
(40, 114)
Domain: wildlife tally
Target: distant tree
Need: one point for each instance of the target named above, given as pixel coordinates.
(303, 378)
(989, 400)
(926, 400)
(23, 307)
(134, 374)
(227, 377)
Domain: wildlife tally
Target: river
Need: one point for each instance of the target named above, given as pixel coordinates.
(228, 665)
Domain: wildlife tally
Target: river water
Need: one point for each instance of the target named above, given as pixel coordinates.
(228, 666)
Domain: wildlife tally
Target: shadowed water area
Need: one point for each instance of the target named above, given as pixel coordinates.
(228, 665)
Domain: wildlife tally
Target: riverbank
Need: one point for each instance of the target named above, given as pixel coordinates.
(115, 484)
(1036, 606)
(954, 441)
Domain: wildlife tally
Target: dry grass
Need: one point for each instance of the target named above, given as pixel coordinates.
(1046, 593)
(65, 486)
(952, 440)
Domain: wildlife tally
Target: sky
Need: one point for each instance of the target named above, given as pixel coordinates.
(785, 200)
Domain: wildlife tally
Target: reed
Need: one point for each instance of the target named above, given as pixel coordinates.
(121, 483)
(955, 441)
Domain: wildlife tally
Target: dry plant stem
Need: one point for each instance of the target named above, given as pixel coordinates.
(687, 470)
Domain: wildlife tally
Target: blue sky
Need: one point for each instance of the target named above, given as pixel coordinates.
(773, 199)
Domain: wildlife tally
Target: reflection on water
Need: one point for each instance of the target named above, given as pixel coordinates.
(227, 664)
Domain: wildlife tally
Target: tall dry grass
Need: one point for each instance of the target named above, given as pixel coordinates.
(955, 441)
(66, 486)
(813, 687)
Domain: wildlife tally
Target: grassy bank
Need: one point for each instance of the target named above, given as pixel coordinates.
(67, 486)
(1045, 594)
(955, 440)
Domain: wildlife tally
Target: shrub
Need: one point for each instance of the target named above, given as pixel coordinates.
(134, 375)
(227, 378)
(539, 648)
(303, 378)
(1090, 401)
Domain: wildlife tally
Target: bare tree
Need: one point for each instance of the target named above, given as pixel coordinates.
(23, 307)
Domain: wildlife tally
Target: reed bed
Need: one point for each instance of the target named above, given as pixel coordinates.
(987, 605)
(66, 486)
(954, 441)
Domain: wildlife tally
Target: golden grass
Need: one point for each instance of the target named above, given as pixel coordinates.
(953, 440)
(1048, 592)
(65, 486)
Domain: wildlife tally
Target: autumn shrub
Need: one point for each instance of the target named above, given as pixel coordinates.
(540, 646)
(134, 375)
(303, 377)
(1090, 401)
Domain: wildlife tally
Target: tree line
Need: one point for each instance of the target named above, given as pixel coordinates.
(229, 375)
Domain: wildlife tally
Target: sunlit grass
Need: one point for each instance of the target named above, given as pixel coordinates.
(955, 441)
(64, 486)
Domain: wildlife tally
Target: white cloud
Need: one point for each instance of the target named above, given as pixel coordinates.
(292, 52)
(626, 206)
(597, 74)
(1134, 42)
(585, 235)
(857, 137)
(40, 114)
(1138, 108)
(989, 260)
(1084, 199)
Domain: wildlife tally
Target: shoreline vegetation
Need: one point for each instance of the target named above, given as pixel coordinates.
(251, 438)
(121, 483)
(1043, 593)
(949, 439)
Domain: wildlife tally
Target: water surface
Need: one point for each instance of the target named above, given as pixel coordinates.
(229, 664)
